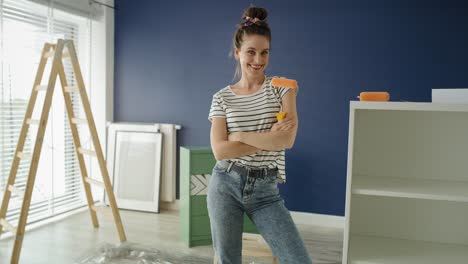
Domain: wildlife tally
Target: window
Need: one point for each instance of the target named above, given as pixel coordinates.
(24, 28)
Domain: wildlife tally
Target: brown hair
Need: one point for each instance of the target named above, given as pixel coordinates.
(247, 27)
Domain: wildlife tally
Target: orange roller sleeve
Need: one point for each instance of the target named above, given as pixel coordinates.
(374, 96)
(283, 82)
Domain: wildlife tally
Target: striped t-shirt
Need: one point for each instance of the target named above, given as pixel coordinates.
(252, 113)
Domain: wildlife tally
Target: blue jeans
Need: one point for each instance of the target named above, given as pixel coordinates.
(230, 195)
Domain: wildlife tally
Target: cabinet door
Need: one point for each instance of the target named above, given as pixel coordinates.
(200, 226)
(202, 163)
(198, 205)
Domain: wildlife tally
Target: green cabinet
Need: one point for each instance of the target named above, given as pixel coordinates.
(196, 165)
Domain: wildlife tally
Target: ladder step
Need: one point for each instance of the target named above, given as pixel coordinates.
(8, 226)
(95, 182)
(24, 155)
(71, 89)
(14, 190)
(87, 152)
(102, 209)
(40, 87)
(32, 121)
(79, 121)
(51, 54)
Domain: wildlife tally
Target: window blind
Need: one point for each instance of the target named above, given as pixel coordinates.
(25, 27)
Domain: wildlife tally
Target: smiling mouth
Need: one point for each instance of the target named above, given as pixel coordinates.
(256, 67)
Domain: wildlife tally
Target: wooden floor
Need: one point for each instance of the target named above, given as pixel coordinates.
(73, 238)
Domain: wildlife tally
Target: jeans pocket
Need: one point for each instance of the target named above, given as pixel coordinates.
(269, 180)
(218, 167)
(273, 178)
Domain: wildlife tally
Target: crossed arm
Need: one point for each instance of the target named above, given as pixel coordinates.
(244, 143)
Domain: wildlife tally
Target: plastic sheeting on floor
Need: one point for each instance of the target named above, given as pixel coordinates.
(128, 253)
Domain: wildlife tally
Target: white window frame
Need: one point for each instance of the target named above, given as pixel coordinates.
(101, 94)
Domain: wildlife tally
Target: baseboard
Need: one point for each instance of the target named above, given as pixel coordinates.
(301, 218)
(170, 206)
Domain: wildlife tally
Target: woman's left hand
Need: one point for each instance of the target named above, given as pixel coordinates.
(284, 125)
(235, 136)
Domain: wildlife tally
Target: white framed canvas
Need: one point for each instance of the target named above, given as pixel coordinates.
(134, 157)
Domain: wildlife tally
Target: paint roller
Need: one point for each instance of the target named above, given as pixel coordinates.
(283, 82)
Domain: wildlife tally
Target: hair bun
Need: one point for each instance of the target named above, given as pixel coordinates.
(255, 12)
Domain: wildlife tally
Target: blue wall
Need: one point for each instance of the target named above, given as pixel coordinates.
(171, 56)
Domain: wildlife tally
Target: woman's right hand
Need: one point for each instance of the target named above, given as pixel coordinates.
(284, 125)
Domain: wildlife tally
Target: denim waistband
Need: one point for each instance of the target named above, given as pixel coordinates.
(248, 171)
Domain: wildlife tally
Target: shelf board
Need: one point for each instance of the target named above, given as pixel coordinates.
(367, 250)
(456, 191)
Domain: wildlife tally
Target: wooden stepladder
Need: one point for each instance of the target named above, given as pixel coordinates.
(64, 49)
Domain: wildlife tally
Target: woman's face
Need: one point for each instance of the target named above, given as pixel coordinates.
(253, 55)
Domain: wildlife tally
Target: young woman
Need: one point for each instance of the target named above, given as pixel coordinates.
(248, 144)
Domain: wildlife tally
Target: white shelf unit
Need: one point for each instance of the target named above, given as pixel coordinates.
(407, 184)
